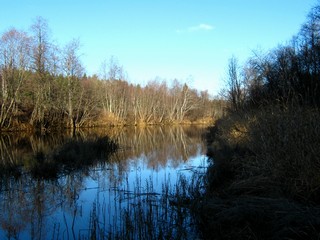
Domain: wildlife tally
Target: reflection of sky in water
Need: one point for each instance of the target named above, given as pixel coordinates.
(102, 192)
(137, 177)
(138, 170)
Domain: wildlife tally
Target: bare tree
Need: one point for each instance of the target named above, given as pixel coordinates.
(40, 65)
(73, 71)
(188, 101)
(115, 90)
(15, 62)
(235, 85)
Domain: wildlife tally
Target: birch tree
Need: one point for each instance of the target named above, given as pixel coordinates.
(40, 64)
(73, 71)
(14, 60)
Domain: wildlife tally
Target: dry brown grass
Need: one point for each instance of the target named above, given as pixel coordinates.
(278, 146)
(264, 182)
(286, 147)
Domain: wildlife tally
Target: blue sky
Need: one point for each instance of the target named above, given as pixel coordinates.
(190, 40)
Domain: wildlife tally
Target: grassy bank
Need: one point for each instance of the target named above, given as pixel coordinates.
(264, 181)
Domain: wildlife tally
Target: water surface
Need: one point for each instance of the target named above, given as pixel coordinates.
(127, 194)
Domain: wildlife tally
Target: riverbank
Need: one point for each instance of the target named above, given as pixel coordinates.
(264, 179)
(104, 123)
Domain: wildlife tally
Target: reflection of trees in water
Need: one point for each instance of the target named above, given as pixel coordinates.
(11, 152)
(27, 202)
(24, 203)
(160, 144)
(156, 146)
(46, 156)
(17, 150)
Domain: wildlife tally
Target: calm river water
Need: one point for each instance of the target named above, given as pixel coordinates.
(127, 195)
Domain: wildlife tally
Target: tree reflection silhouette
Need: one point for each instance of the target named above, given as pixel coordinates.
(39, 208)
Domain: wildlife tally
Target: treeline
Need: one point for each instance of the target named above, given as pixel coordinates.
(288, 73)
(266, 149)
(44, 86)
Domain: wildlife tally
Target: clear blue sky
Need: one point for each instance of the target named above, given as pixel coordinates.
(190, 40)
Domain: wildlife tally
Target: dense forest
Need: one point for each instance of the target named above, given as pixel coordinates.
(45, 86)
(264, 183)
